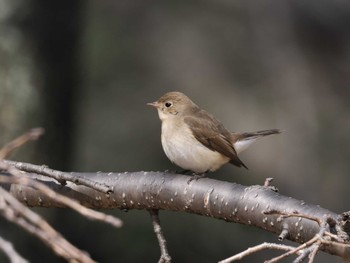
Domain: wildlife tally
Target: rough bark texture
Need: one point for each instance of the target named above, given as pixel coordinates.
(223, 200)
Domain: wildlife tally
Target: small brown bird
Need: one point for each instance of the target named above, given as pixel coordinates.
(194, 140)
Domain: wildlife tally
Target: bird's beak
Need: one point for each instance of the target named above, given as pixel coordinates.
(153, 104)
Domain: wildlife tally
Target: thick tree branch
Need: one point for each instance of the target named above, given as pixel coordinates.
(232, 202)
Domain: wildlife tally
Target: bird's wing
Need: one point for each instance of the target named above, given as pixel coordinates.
(212, 134)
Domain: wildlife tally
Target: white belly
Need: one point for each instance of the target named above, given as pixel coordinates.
(184, 150)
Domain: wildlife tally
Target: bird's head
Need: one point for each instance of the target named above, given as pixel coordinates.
(173, 104)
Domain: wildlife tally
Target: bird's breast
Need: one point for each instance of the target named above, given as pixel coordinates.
(183, 149)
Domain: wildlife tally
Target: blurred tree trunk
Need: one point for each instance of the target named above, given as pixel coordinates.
(53, 28)
(40, 73)
(19, 96)
(40, 80)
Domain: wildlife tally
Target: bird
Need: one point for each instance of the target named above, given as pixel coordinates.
(195, 140)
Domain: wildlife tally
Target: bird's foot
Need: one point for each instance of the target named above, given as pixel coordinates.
(195, 177)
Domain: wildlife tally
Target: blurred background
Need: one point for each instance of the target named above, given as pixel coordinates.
(84, 70)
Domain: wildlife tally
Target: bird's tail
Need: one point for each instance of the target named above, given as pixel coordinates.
(243, 140)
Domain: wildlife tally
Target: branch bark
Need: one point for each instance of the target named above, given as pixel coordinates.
(164, 254)
(251, 205)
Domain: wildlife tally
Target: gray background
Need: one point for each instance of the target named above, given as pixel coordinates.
(253, 64)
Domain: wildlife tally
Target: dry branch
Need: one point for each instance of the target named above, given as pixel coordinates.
(31, 135)
(16, 212)
(11, 253)
(61, 177)
(20, 179)
(255, 249)
(164, 254)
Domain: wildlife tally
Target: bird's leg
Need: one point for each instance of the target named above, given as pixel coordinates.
(196, 176)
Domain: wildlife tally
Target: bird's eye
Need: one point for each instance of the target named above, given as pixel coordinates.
(168, 104)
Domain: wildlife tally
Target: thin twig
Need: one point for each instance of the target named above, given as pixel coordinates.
(296, 214)
(31, 135)
(11, 253)
(318, 237)
(256, 249)
(314, 251)
(268, 181)
(293, 251)
(333, 236)
(303, 255)
(18, 178)
(284, 232)
(61, 177)
(164, 255)
(313, 244)
(16, 212)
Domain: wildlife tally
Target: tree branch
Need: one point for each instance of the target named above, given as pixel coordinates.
(256, 249)
(20, 179)
(31, 135)
(61, 177)
(164, 255)
(11, 253)
(16, 212)
(223, 200)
